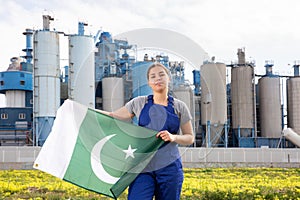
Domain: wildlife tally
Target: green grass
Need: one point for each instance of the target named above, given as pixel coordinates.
(206, 183)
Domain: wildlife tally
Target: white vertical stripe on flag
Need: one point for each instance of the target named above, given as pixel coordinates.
(65, 128)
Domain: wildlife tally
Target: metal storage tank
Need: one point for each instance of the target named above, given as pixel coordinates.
(185, 94)
(81, 81)
(46, 81)
(270, 106)
(293, 103)
(140, 85)
(242, 99)
(213, 82)
(112, 93)
(213, 98)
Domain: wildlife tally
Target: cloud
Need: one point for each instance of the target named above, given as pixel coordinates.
(220, 27)
(268, 30)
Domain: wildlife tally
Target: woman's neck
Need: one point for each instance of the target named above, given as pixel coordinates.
(160, 98)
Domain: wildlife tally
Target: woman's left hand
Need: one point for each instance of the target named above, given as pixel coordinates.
(166, 136)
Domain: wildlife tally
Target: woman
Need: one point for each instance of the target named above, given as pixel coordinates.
(163, 176)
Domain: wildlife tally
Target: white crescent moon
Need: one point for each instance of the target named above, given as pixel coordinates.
(97, 167)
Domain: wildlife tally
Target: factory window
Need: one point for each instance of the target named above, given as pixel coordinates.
(1, 82)
(22, 115)
(4, 116)
(22, 82)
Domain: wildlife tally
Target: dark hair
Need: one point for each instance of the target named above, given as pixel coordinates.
(157, 64)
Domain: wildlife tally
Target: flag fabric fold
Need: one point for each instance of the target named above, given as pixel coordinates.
(95, 151)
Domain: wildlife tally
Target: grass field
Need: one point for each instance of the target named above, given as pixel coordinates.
(204, 183)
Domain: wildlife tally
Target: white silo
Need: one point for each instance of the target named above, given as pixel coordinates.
(270, 106)
(81, 82)
(185, 94)
(112, 93)
(46, 81)
(243, 97)
(293, 103)
(213, 99)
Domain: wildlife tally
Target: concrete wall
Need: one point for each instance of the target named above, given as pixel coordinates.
(240, 157)
(23, 157)
(18, 157)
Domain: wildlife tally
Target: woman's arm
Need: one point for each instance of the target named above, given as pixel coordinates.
(122, 113)
(187, 137)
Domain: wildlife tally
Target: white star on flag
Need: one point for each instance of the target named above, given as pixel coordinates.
(129, 152)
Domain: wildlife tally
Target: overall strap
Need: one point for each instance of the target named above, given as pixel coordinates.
(170, 101)
(150, 99)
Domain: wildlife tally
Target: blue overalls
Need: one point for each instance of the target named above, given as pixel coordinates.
(163, 176)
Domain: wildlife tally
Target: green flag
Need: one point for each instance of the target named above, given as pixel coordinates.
(96, 151)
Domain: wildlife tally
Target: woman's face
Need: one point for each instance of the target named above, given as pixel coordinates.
(158, 79)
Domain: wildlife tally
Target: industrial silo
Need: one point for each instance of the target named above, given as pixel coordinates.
(140, 85)
(81, 82)
(185, 94)
(112, 93)
(270, 106)
(180, 87)
(293, 102)
(243, 98)
(46, 80)
(213, 101)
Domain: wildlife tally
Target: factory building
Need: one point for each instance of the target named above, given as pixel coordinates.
(230, 104)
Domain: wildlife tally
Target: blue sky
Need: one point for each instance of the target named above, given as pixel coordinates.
(268, 30)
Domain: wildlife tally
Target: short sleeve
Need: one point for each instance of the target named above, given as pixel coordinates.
(135, 105)
(129, 106)
(182, 111)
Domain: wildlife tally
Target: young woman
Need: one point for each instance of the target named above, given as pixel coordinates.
(163, 176)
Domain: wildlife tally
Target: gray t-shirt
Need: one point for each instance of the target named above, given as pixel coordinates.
(136, 105)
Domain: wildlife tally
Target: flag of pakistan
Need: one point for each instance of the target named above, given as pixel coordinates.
(95, 151)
